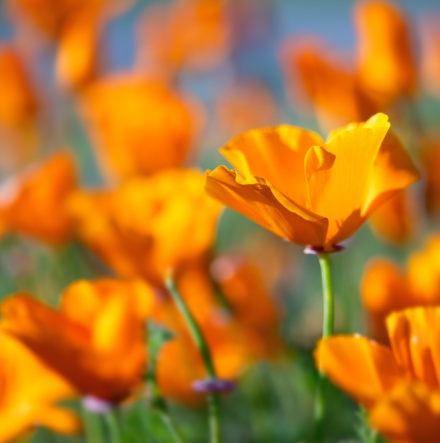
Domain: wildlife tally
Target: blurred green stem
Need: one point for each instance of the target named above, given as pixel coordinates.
(199, 340)
(113, 428)
(327, 330)
(92, 427)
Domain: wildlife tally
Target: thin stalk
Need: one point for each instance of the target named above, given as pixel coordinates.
(113, 428)
(327, 330)
(92, 427)
(199, 340)
(327, 294)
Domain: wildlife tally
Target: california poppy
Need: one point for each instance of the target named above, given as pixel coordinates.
(19, 109)
(29, 392)
(368, 371)
(33, 203)
(430, 64)
(308, 191)
(184, 33)
(386, 288)
(95, 340)
(408, 414)
(309, 70)
(386, 59)
(148, 225)
(138, 125)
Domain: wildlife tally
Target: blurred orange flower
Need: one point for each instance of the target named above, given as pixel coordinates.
(325, 82)
(368, 371)
(148, 225)
(138, 126)
(33, 203)
(409, 414)
(192, 33)
(28, 392)
(398, 385)
(95, 340)
(308, 191)
(18, 110)
(385, 288)
(386, 58)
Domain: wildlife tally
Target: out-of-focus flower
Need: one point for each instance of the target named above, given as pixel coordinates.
(148, 225)
(95, 340)
(430, 161)
(234, 113)
(33, 203)
(139, 126)
(18, 110)
(385, 288)
(325, 82)
(77, 59)
(190, 33)
(386, 60)
(409, 414)
(368, 371)
(308, 191)
(430, 65)
(29, 391)
(242, 285)
(74, 26)
(398, 385)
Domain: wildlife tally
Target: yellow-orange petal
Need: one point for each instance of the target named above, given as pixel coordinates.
(393, 171)
(410, 413)
(415, 341)
(275, 153)
(258, 200)
(361, 367)
(338, 191)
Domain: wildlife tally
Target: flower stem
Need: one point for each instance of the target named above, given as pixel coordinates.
(327, 330)
(199, 340)
(113, 428)
(92, 427)
(327, 293)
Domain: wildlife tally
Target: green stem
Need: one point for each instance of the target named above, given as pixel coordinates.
(199, 340)
(327, 293)
(113, 428)
(92, 427)
(169, 422)
(327, 330)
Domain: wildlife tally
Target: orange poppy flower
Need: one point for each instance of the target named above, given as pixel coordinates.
(148, 225)
(77, 57)
(385, 288)
(33, 204)
(95, 340)
(308, 191)
(386, 60)
(138, 126)
(28, 392)
(368, 371)
(242, 285)
(409, 414)
(18, 110)
(309, 70)
(194, 33)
